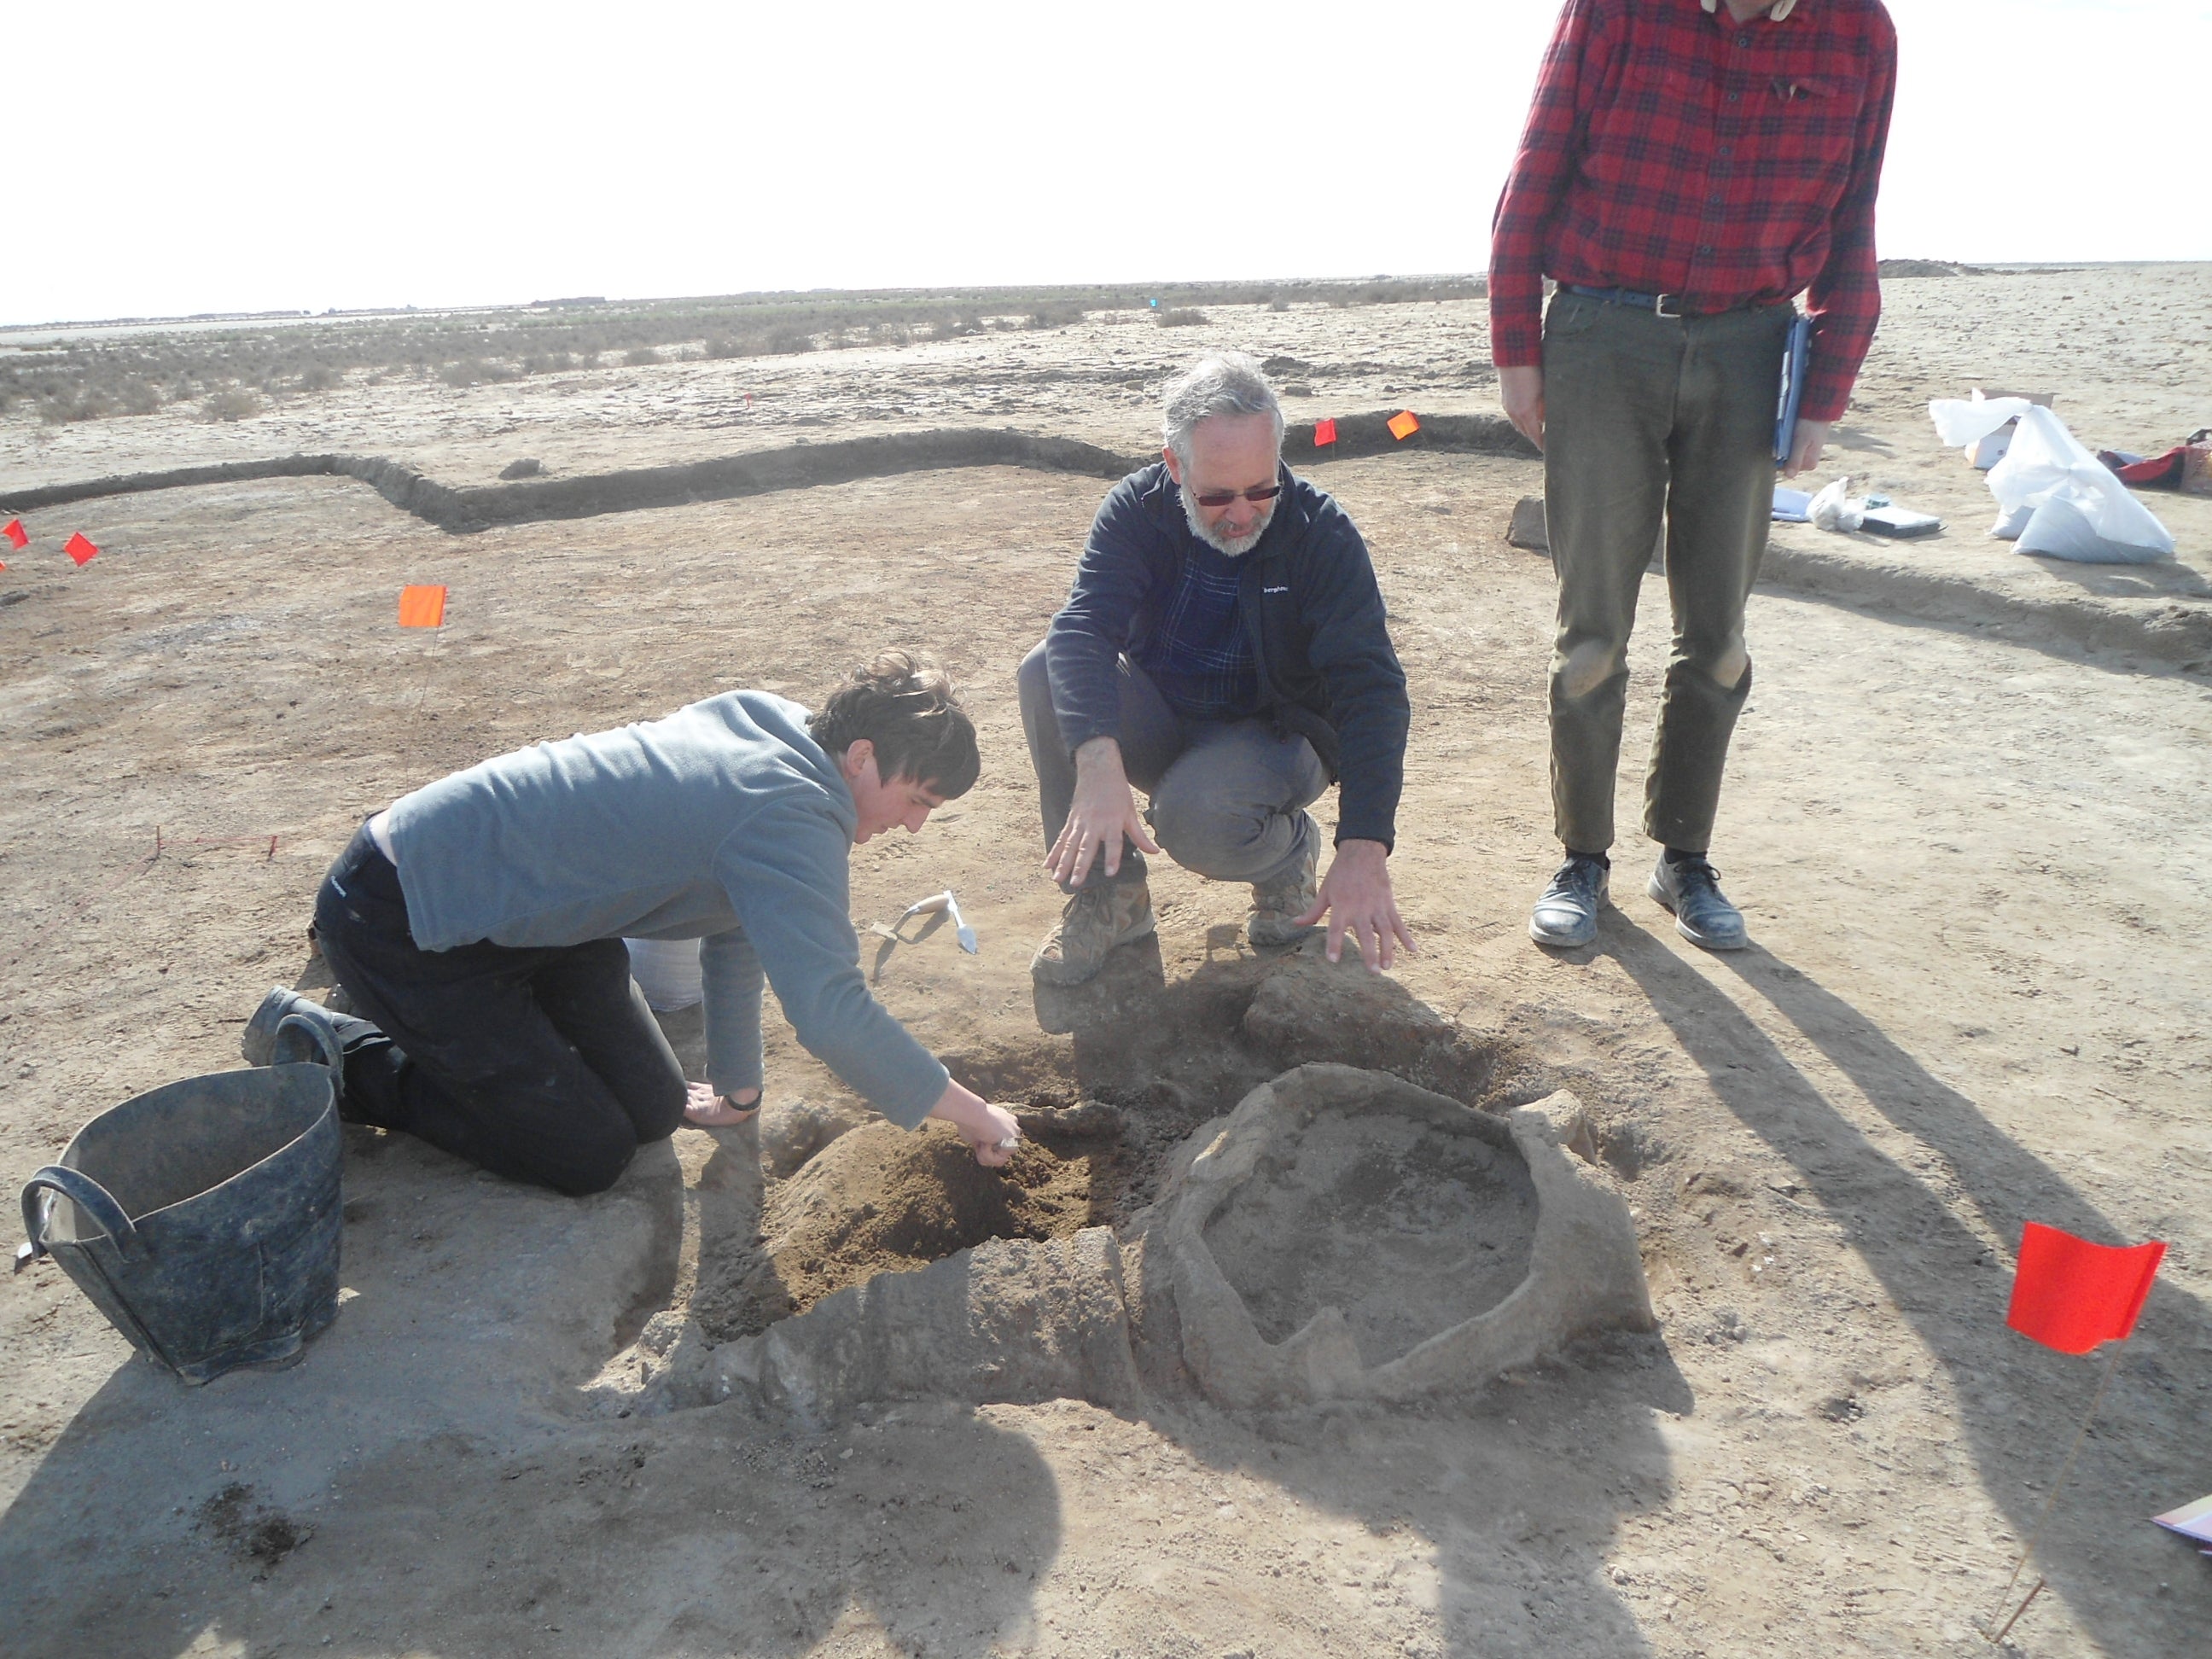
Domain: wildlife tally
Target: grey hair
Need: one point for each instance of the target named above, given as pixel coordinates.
(1220, 383)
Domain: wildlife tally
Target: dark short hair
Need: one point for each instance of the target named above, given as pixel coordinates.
(904, 704)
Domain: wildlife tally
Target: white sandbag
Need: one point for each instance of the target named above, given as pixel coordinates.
(2078, 507)
(667, 971)
(2054, 497)
(2063, 529)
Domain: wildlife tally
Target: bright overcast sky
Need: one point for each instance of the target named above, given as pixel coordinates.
(234, 156)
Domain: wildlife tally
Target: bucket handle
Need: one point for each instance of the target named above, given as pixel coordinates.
(324, 1038)
(82, 1189)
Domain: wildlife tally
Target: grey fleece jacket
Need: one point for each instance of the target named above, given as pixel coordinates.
(724, 823)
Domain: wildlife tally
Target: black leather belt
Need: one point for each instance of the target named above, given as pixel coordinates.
(1664, 305)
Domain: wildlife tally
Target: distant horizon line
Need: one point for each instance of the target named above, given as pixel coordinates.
(294, 314)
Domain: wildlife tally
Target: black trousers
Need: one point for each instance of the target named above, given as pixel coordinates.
(543, 1064)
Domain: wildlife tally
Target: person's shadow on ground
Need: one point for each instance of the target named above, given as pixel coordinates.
(1518, 1489)
(1517, 1494)
(2017, 1402)
(433, 1475)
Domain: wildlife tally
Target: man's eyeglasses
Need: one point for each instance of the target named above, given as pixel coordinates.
(1257, 494)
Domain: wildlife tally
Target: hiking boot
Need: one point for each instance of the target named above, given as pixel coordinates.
(1567, 914)
(1095, 922)
(1278, 904)
(1702, 915)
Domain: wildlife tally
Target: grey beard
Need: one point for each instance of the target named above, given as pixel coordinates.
(1235, 546)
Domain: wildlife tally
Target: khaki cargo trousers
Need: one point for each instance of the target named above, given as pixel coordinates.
(1652, 421)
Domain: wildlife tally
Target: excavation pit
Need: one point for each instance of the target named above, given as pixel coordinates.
(882, 1200)
(1106, 1118)
(1342, 1234)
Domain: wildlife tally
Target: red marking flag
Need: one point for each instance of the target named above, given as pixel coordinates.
(14, 531)
(2070, 1295)
(1404, 424)
(1324, 432)
(80, 547)
(422, 607)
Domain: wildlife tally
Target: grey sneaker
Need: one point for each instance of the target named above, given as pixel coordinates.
(1278, 904)
(1567, 914)
(257, 1043)
(1702, 915)
(1097, 920)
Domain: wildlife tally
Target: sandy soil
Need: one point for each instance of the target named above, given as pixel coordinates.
(1973, 855)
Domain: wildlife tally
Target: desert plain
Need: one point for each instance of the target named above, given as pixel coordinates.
(1966, 816)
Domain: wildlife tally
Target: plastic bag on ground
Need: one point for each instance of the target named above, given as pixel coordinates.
(1835, 508)
(1963, 421)
(2054, 497)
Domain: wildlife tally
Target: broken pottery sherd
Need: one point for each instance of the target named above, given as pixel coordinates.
(1012, 1320)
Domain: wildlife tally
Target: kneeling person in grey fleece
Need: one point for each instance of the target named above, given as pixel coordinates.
(477, 924)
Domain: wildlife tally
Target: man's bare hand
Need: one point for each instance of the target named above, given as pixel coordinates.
(1104, 811)
(1356, 897)
(1804, 447)
(703, 1109)
(990, 1130)
(1521, 390)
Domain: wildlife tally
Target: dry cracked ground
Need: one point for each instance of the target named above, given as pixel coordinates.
(1974, 854)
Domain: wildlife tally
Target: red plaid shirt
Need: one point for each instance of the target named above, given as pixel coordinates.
(1674, 151)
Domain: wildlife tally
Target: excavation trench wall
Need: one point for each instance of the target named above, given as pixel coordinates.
(2175, 632)
(800, 466)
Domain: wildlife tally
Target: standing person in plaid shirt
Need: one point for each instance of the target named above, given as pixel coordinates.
(1223, 648)
(1689, 168)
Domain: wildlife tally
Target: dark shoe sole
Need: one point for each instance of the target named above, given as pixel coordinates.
(258, 1042)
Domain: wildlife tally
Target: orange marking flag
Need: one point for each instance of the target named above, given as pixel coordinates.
(2070, 1295)
(1324, 432)
(80, 548)
(1404, 424)
(14, 531)
(422, 607)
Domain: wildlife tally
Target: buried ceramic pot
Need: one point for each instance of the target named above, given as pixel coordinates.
(1392, 1243)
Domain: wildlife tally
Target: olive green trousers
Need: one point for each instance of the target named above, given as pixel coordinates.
(1654, 423)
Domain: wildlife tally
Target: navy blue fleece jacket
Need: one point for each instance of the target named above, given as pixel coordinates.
(1307, 600)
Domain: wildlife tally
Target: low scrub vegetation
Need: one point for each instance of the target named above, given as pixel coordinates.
(269, 359)
(230, 402)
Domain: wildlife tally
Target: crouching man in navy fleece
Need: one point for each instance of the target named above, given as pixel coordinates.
(478, 924)
(1225, 648)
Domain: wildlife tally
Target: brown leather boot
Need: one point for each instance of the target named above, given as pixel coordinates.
(1095, 921)
(1278, 904)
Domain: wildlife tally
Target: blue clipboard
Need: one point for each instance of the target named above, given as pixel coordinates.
(1793, 384)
